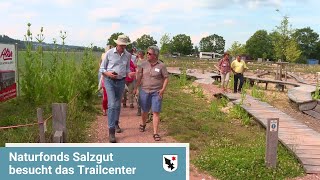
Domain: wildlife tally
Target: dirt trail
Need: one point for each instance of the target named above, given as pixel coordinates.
(129, 123)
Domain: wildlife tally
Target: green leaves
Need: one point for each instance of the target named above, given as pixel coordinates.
(213, 43)
(307, 40)
(260, 45)
(145, 41)
(236, 49)
(285, 47)
(292, 51)
(181, 43)
(165, 44)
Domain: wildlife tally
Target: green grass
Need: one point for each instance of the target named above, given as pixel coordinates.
(190, 63)
(16, 112)
(19, 111)
(49, 56)
(220, 145)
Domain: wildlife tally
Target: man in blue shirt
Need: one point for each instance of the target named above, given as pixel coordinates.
(115, 67)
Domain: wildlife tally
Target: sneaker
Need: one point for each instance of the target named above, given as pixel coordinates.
(131, 106)
(118, 129)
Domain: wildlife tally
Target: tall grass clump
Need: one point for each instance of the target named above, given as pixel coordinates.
(183, 76)
(61, 79)
(87, 76)
(316, 94)
(257, 92)
(64, 75)
(34, 79)
(244, 89)
(237, 112)
(231, 82)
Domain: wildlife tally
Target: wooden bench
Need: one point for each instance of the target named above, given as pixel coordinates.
(279, 84)
(217, 77)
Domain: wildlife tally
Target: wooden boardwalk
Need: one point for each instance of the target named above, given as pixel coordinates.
(204, 78)
(303, 141)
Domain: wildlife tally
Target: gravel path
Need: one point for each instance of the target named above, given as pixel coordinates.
(129, 123)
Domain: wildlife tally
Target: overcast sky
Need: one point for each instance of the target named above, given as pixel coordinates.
(93, 21)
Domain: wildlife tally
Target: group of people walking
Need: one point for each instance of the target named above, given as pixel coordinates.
(238, 67)
(146, 78)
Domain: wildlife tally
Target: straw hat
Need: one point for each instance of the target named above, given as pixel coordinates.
(122, 40)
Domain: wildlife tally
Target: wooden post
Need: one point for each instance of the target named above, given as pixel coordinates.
(277, 72)
(58, 137)
(17, 72)
(266, 85)
(285, 75)
(59, 116)
(280, 73)
(272, 142)
(41, 125)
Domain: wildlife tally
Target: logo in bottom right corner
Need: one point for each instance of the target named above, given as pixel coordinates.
(170, 162)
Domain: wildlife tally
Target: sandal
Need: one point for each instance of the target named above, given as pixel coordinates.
(156, 137)
(142, 128)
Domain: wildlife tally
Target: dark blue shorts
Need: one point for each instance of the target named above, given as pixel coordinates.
(150, 100)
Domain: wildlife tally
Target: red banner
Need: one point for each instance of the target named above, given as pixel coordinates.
(8, 93)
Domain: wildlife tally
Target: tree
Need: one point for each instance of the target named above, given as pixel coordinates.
(236, 49)
(196, 51)
(181, 43)
(259, 45)
(274, 37)
(213, 43)
(95, 48)
(165, 44)
(112, 37)
(282, 38)
(145, 41)
(307, 40)
(134, 44)
(292, 52)
(285, 44)
(317, 50)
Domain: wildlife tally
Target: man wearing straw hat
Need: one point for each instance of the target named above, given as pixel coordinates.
(115, 67)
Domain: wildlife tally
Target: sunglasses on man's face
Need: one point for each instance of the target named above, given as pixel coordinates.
(149, 53)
